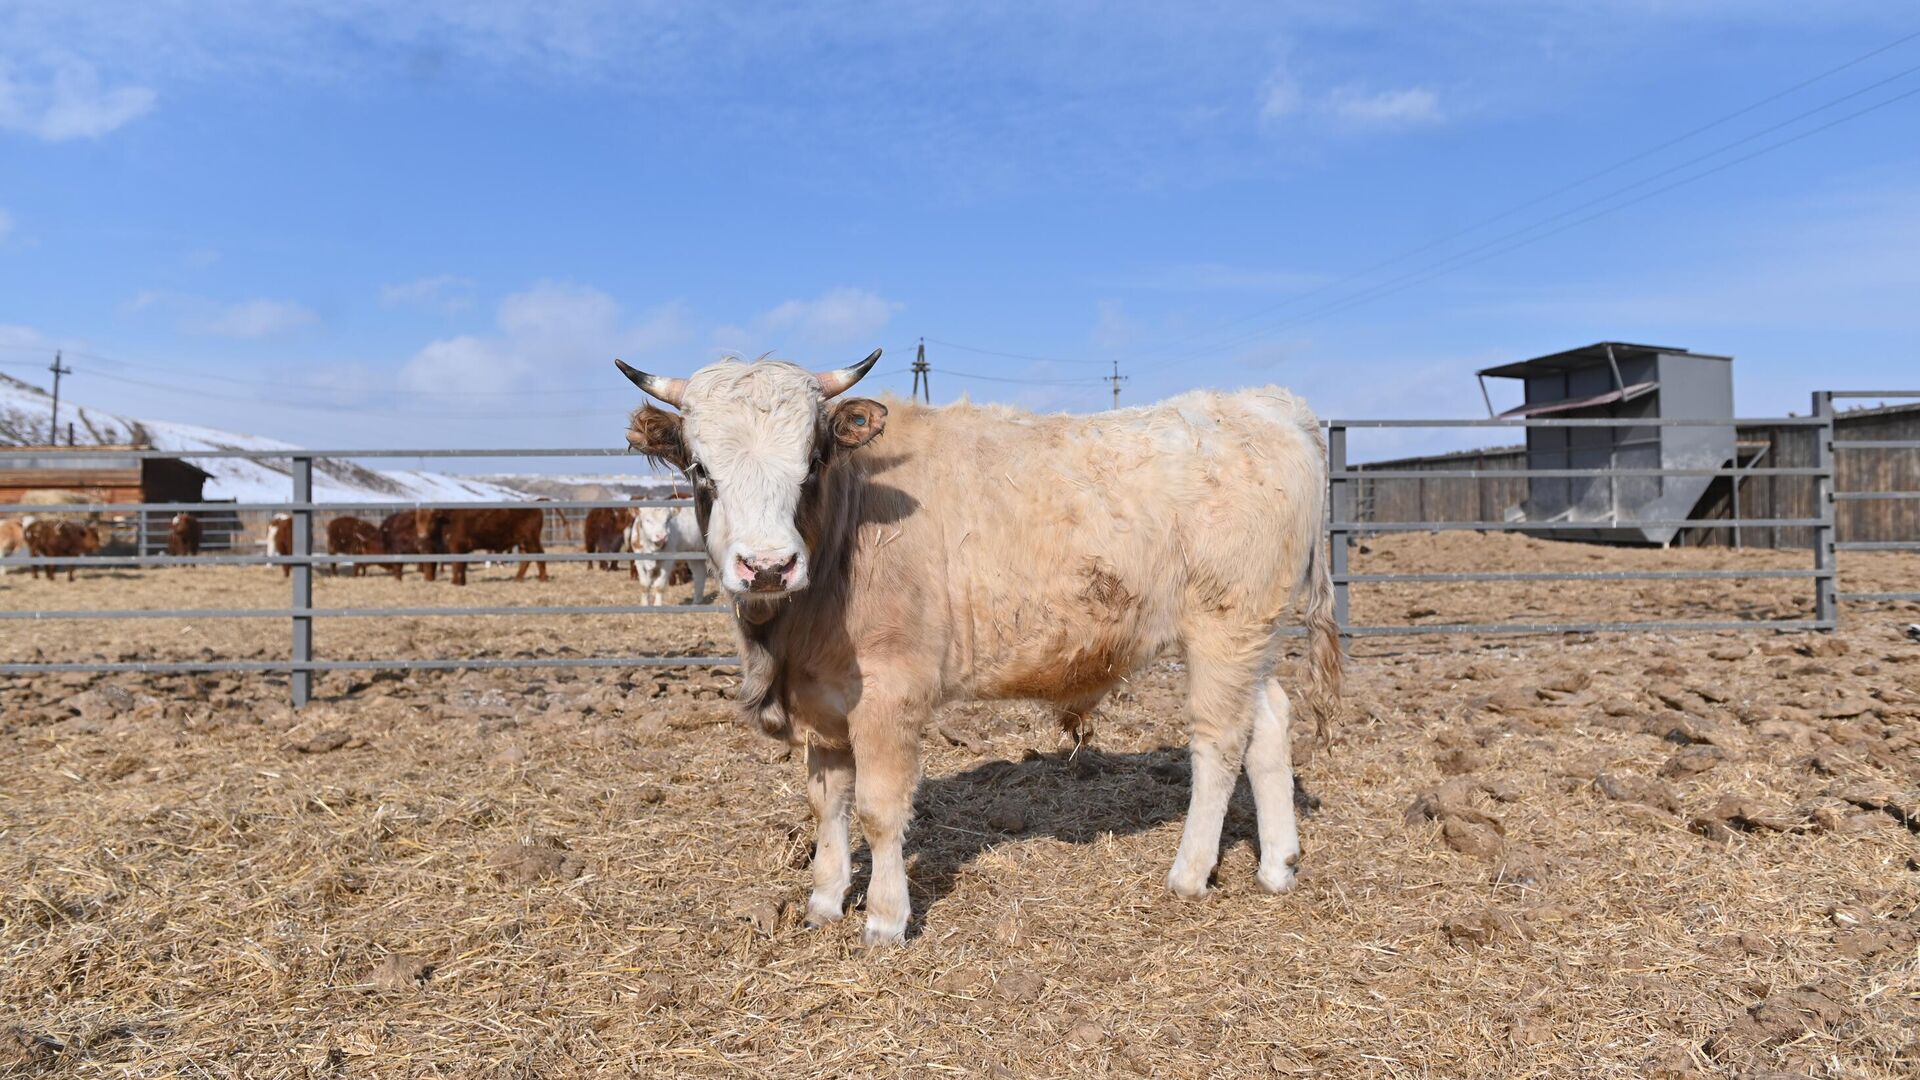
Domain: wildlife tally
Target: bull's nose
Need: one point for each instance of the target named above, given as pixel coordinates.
(766, 573)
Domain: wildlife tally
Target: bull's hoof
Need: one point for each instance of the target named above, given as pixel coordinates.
(1282, 879)
(1187, 883)
(819, 915)
(878, 936)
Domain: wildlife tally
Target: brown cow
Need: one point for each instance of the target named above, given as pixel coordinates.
(59, 540)
(348, 535)
(462, 532)
(606, 530)
(988, 553)
(183, 536)
(398, 533)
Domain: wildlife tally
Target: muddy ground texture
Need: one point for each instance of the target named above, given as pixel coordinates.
(1620, 855)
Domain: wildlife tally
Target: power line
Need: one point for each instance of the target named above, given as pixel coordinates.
(356, 410)
(1442, 269)
(1426, 273)
(323, 388)
(1022, 382)
(1561, 190)
(364, 410)
(322, 406)
(1013, 355)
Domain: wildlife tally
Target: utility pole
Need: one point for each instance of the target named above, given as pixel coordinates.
(1116, 379)
(53, 428)
(922, 374)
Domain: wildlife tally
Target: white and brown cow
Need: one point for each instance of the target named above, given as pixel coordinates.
(983, 552)
(660, 529)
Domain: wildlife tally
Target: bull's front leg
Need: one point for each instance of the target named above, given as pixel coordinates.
(830, 780)
(885, 730)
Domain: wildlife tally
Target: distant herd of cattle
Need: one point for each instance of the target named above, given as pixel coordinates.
(425, 533)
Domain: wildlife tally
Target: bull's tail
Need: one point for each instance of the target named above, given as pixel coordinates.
(1323, 641)
(1324, 659)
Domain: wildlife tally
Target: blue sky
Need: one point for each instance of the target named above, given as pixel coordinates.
(347, 222)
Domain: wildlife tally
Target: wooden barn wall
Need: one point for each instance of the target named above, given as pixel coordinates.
(1440, 500)
(1443, 499)
(1854, 470)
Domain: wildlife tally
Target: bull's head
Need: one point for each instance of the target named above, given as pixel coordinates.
(651, 526)
(752, 438)
(427, 526)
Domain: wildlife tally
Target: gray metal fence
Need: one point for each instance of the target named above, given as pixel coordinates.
(300, 611)
(1343, 527)
(1823, 407)
(1823, 574)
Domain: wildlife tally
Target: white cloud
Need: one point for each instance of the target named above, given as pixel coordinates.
(1266, 356)
(1284, 102)
(249, 320)
(1281, 99)
(559, 313)
(15, 336)
(839, 316)
(552, 326)
(255, 319)
(465, 363)
(1414, 107)
(448, 293)
(1112, 326)
(68, 102)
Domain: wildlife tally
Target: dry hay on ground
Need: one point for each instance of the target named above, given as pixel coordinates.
(1630, 855)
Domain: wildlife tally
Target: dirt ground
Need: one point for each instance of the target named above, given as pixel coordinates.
(1543, 855)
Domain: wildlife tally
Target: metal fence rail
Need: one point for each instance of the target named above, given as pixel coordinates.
(301, 663)
(1344, 526)
(1823, 401)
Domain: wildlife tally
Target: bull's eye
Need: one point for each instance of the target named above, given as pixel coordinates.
(698, 474)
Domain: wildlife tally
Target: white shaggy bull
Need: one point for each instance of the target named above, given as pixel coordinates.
(983, 552)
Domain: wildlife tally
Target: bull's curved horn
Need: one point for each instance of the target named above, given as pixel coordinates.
(840, 380)
(667, 390)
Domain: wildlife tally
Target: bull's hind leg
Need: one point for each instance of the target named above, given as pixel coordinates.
(1270, 774)
(830, 791)
(1223, 682)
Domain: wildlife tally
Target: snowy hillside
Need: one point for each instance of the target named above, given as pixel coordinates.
(24, 410)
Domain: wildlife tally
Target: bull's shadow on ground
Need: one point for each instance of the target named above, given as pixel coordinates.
(1077, 798)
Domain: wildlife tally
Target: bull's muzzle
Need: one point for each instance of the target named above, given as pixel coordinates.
(767, 574)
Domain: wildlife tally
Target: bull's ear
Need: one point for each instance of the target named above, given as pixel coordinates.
(857, 420)
(656, 433)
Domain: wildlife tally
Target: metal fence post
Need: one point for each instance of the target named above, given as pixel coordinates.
(302, 576)
(700, 581)
(1340, 511)
(1825, 610)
